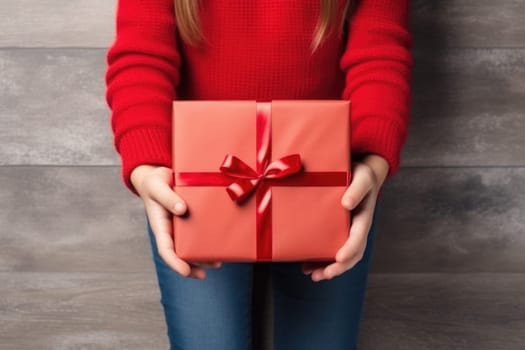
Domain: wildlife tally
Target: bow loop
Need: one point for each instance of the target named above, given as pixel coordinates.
(233, 166)
(247, 179)
(284, 166)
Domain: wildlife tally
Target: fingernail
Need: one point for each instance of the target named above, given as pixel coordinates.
(179, 207)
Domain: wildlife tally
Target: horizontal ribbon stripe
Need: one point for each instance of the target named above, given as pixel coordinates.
(202, 179)
(311, 178)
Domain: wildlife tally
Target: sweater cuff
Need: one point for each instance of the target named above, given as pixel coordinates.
(375, 135)
(136, 147)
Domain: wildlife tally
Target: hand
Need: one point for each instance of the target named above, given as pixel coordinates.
(360, 197)
(153, 184)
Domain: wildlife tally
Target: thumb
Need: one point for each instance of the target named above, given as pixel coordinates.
(159, 189)
(162, 193)
(359, 187)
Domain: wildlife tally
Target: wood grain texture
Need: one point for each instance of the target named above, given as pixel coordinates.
(447, 270)
(59, 311)
(452, 220)
(66, 311)
(468, 23)
(468, 108)
(70, 219)
(52, 108)
(57, 23)
(90, 23)
(430, 220)
(482, 311)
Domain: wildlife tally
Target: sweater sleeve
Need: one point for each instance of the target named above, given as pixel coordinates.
(141, 79)
(377, 62)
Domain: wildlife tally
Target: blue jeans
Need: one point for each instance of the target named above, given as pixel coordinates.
(215, 313)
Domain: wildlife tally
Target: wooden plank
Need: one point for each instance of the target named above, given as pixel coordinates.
(433, 311)
(59, 311)
(70, 219)
(468, 109)
(452, 220)
(52, 23)
(53, 109)
(468, 23)
(90, 23)
(430, 220)
(482, 311)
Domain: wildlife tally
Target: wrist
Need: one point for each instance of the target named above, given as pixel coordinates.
(379, 165)
(138, 173)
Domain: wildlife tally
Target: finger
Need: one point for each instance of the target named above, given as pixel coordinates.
(160, 191)
(213, 265)
(335, 269)
(332, 270)
(354, 254)
(326, 272)
(359, 187)
(357, 238)
(198, 273)
(349, 252)
(309, 266)
(161, 225)
(353, 249)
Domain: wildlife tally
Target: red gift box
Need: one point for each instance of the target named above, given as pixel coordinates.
(263, 181)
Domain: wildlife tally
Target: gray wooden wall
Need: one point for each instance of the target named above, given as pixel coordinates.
(449, 263)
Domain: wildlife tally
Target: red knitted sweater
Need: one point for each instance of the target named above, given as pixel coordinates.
(258, 50)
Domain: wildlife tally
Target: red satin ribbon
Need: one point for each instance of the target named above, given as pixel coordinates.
(248, 179)
(241, 180)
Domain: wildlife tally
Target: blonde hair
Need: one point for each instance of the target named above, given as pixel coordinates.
(187, 17)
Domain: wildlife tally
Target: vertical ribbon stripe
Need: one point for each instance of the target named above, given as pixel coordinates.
(263, 194)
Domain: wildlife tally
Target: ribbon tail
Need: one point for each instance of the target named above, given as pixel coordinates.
(241, 189)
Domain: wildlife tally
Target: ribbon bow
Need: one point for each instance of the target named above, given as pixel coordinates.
(247, 179)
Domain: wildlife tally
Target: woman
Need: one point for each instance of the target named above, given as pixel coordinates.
(260, 50)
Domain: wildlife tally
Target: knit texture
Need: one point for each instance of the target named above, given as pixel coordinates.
(257, 50)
